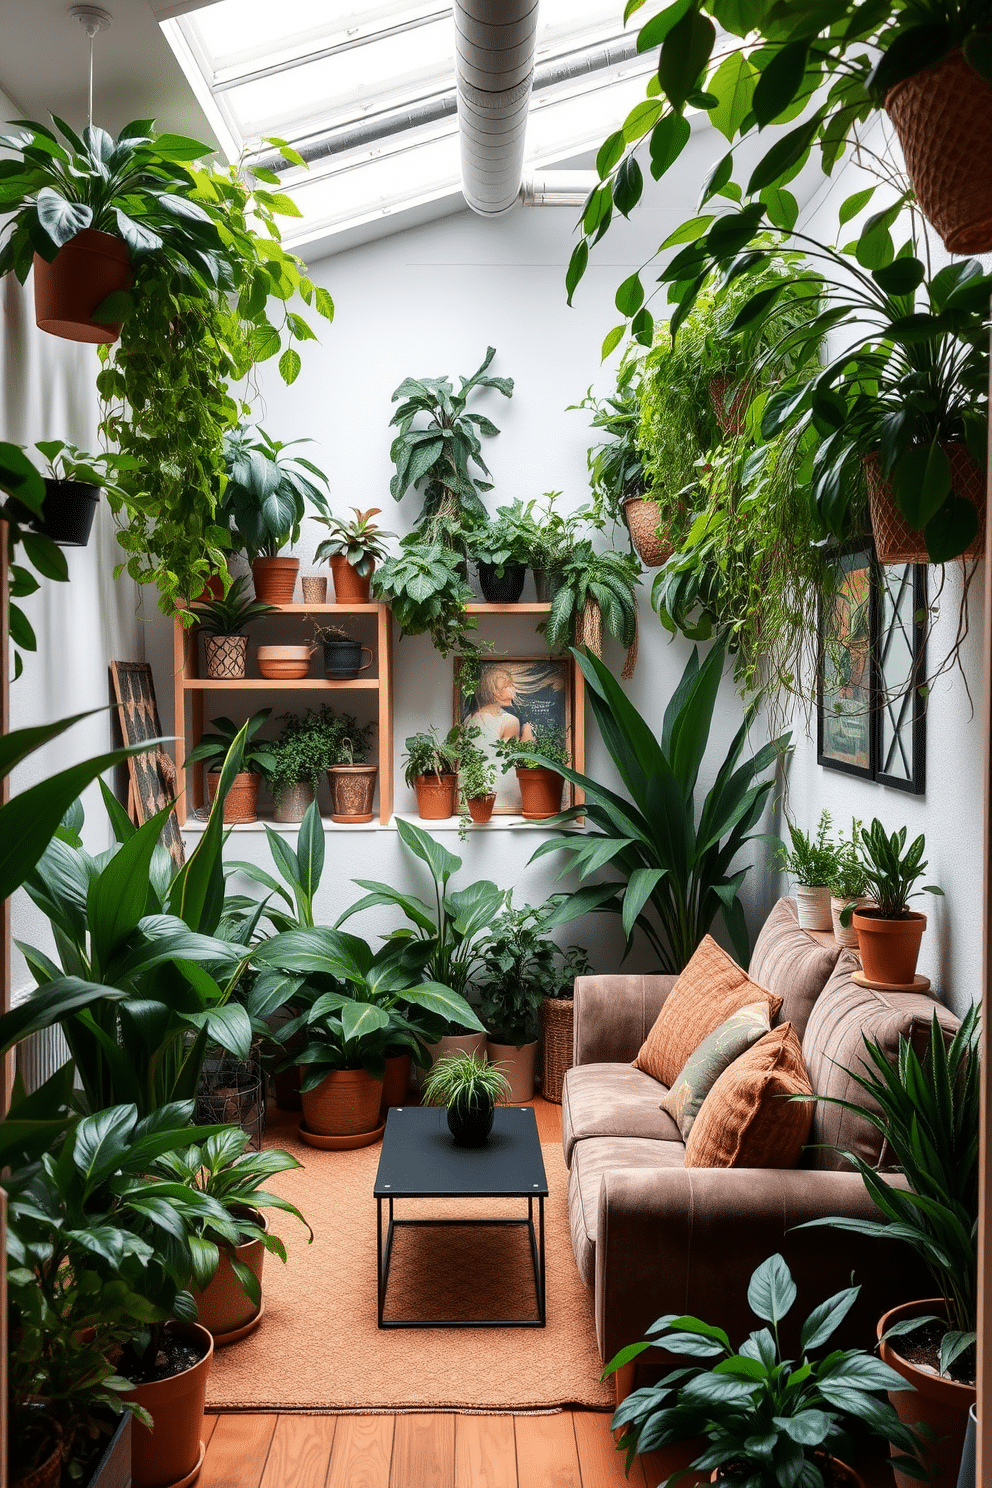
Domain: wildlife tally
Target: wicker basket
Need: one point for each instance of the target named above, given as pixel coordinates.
(943, 118)
(226, 657)
(557, 1017)
(642, 519)
(895, 540)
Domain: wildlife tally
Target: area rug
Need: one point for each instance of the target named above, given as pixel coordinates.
(318, 1347)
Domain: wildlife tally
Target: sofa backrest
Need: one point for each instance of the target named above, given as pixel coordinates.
(788, 961)
(843, 1016)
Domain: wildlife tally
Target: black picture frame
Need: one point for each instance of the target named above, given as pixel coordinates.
(871, 708)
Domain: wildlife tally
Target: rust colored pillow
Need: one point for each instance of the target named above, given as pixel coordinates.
(747, 1120)
(710, 990)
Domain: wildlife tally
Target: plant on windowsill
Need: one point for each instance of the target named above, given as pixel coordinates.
(353, 548)
(222, 621)
(470, 1090)
(812, 863)
(352, 779)
(476, 781)
(889, 932)
(256, 761)
(264, 503)
(300, 755)
(430, 767)
(538, 763)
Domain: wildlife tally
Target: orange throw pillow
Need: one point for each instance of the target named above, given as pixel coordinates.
(710, 990)
(747, 1120)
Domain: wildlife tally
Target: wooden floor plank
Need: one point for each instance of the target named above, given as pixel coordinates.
(547, 1456)
(300, 1454)
(485, 1452)
(363, 1449)
(548, 1120)
(600, 1464)
(423, 1452)
(209, 1422)
(237, 1452)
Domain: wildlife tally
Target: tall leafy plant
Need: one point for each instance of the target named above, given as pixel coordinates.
(671, 860)
(21, 481)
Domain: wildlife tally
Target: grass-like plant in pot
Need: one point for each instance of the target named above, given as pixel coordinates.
(811, 863)
(265, 500)
(768, 1421)
(430, 767)
(222, 620)
(353, 548)
(538, 763)
(889, 932)
(848, 886)
(256, 761)
(470, 1090)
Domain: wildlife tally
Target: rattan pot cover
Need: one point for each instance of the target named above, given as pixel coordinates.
(227, 657)
(895, 540)
(352, 791)
(943, 118)
(314, 589)
(642, 518)
(730, 419)
(557, 1025)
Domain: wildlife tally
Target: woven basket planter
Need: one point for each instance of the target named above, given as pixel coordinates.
(314, 589)
(227, 657)
(352, 790)
(895, 540)
(943, 118)
(557, 1016)
(642, 519)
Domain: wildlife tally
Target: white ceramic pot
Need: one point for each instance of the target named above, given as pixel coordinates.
(813, 905)
(454, 1043)
(844, 935)
(517, 1064)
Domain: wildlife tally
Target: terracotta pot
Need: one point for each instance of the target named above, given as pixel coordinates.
(314, 589)
(540, 792)
(505, 589)
(349, 586)
(171, 1457)
(517, 1064)
(275, 579)
(91, 266)
(225, 1309)
(343, 660)
(344, 1104)
(942, 1403)
(642, 518)
(480, 808)
(226, 656)
(889, 948)
(284, 663)
(943, 118)
(557, 1016)
(436, 796)
(895, 540)
(293, 801)
(212, 589)
(844, 935)
(396, 1081)
(242, 799)
(813, 906)
(352, 792)
(454, 1043)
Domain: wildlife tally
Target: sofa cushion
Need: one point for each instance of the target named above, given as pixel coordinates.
(613, 1100)
(707, 1063)
(788, 961)
(591, 1160)
(843, 1017)
(748, 1120)
(710, 988)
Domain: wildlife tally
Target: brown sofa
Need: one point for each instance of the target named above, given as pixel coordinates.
(652, 1236)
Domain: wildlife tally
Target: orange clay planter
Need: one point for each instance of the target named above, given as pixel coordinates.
(275, 579)
(942, 1403)
(889, 948)
(349, 586)
(436, 796)
(87, 269)
(173, 1455)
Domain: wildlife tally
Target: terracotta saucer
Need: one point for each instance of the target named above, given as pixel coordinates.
(342, 1144)
(221, 1338)
(918, 984)
(192, 1476)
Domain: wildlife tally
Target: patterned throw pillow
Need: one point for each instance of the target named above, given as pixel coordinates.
(747, 1120)
(707, 1063)
(711, 988)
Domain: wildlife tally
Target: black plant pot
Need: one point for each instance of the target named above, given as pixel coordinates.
(68, 512)
(114, 1467)
(470, 1124)
(505, 590)
(342, 660)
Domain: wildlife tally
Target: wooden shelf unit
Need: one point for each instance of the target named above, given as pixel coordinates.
(191, 688)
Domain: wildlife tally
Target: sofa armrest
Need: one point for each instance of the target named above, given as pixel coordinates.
(613, 1015)
(686, 1240)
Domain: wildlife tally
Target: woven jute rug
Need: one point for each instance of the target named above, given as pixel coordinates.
(318, 1347)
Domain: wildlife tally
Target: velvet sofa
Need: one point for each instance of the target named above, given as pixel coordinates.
(652, 1236)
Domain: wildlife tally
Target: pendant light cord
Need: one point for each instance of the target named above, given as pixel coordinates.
(92, 35)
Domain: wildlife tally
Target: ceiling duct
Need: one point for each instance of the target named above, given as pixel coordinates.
(495, 42)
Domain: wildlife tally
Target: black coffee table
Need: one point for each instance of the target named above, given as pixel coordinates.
(419, 1160)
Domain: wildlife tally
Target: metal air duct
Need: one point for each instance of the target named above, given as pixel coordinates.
(494, 59)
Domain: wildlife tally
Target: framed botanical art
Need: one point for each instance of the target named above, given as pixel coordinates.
(871, 714)
(516, 697)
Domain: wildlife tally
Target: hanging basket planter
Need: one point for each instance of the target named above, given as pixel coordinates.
(67, 291)
(730, 419)
(943, 118)
(895, 540)
(643, 519)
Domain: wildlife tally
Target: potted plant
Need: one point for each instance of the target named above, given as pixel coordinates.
(431, 769)
(351, 778)
(925, 1105)
(889, 932)
(469, 1089)
(812, 864)
(300, 755)
(227, 1279)
(767, 1421)
(552, 543)
(476, 778)
(342, 653)
(425, 587)
(241, 804)
(502, 547)
(264, 503)
(595, 591)
(353, 548)
(72, 491)
(847, 886)
(537, 763)
(222, 621)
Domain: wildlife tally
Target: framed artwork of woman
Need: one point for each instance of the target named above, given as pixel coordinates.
(514, 697)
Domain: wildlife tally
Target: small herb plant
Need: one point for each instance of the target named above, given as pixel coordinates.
(813, 859)
(768, 1421)
(229, 615)
(520, 962)
(462, 1080)
(307, 745)
(476, 770)
(257, 757)
(362, 542)
(353, 742)
(425, 586)
(890, 873)
(549, 749)
(428, 754)
(267, 492)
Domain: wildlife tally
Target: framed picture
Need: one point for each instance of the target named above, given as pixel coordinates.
(151, 775)
(516, 697)
(871, 718)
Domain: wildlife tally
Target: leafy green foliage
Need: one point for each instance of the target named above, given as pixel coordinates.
(510, 535)
(267, 492)
(20, 481)
(586, 576)
(229, 615)
(362, 542)
(847, 880)
(890, 873)
(426, 588)
(308, 744)
(213, 749)
(813, 859)
(766, 1419)
(462, 1080)
(300, 871)
(672, 869)
(428, 754)
(549, 743)
(476, 769)
(521, 965)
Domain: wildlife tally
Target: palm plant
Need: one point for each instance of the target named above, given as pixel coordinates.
(673, 869)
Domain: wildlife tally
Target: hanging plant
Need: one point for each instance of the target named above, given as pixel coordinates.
(24, 485)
